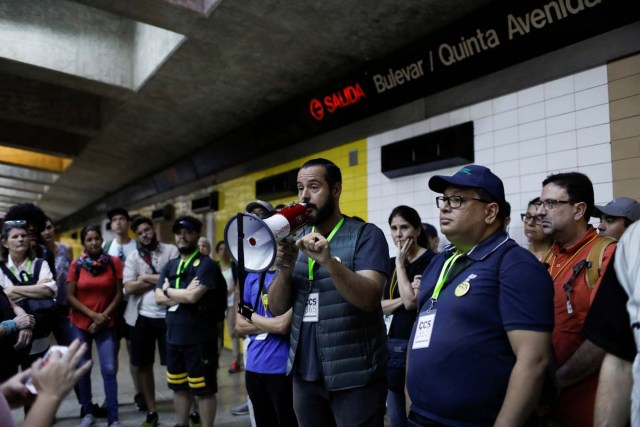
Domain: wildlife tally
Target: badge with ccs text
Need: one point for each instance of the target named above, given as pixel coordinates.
(462, 289)
(311, 309)
(424, 328)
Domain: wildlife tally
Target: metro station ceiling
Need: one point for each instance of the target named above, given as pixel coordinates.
(99, 98)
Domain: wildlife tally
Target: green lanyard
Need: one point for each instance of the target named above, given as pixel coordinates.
(28, 269)
(182, 266)
(444, 273)
(312, 262)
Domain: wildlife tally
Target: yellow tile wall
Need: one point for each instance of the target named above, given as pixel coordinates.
(235, 194)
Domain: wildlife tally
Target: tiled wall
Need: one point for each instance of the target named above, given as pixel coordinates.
(561, 125)
(624, 108)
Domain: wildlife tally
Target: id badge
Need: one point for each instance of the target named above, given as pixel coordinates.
(311, 309)
(388, 318)
(262, 336)
(424, 328)
(174, 307)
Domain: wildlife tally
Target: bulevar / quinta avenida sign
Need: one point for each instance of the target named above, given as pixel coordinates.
(507, 33)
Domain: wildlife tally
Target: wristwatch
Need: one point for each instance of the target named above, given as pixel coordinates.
(165, 291)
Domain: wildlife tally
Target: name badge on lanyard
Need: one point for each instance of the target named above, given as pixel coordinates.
(311, 309)
(388, 318)
(424, 328)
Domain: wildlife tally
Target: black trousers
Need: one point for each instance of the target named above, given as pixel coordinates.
(272, 399)
(356, 407)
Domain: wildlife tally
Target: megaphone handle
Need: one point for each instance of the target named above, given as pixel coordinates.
(241, 272)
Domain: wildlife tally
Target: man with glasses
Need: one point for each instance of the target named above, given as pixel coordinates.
(564, 207)
(539, 243)
(482, 340)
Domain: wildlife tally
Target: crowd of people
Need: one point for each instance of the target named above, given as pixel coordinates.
(478, 332)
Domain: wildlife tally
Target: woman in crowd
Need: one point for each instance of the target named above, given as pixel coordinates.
(399, 300)
(539, 243)
(60, 325)
(204, 246)
(94, 290)
(432, 237)
(28, 282)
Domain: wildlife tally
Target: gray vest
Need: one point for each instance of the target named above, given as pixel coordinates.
(351, 343)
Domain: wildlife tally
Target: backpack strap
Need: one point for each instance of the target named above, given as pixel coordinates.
(107, 245)
(145, 255)
(36, 268)
(594, 260)
(10, 274)
(78, 268)
(547, 256)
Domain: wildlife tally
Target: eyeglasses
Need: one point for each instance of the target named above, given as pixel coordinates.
(455, 202)
(530, 218)
(18, 223)
(550, 204)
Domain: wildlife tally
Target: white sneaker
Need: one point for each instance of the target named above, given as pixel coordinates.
(88, 421)
(115, 424)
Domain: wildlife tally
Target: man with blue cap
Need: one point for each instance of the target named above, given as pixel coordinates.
(481, 344)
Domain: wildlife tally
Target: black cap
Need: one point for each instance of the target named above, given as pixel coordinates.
(118, 211)
(187, 222)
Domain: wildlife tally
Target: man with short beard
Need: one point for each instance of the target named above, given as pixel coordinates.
(187, 287)
(140, 276)
(333, 277)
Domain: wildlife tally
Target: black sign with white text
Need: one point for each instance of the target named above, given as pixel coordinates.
(507, 33)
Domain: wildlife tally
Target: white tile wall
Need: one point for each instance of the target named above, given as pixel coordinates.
(530, 96)
(561, 125)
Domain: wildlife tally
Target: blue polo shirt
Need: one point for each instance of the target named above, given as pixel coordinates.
(461, 378)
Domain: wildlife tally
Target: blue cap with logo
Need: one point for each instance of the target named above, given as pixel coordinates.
(471, 176)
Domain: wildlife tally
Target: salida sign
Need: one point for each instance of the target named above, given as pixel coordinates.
(349, 95)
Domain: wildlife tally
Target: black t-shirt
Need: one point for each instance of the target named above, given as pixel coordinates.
(608, 324)
(191, 323)
(402, 318)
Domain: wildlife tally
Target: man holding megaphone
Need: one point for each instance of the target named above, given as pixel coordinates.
(333, 277)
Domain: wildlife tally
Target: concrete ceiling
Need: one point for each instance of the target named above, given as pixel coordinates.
(122, 90)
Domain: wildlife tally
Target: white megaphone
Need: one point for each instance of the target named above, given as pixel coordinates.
(260, 236)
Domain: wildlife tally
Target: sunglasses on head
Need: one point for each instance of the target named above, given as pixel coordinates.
(18, 223)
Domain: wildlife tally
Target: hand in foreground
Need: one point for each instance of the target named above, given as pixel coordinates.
(60, 372)
(15, 391)
(25, 321)
(24, 338)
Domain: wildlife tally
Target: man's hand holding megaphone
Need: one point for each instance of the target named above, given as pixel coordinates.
(286, 255)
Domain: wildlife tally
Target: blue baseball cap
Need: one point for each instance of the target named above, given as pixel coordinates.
(471, 176)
